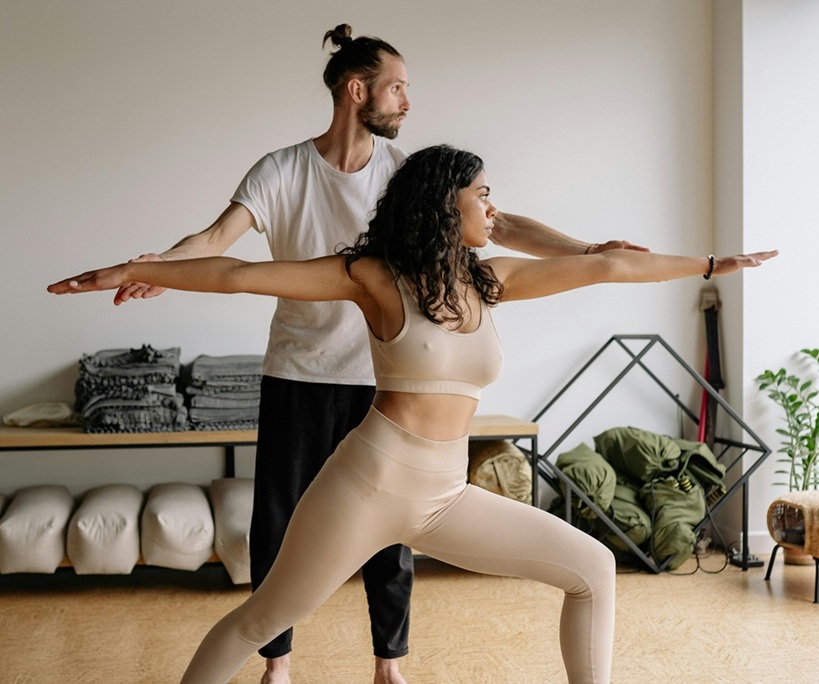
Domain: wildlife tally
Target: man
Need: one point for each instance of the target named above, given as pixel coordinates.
(318, 381)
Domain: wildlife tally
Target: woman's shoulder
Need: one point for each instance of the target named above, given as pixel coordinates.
(373, 272)
(498, 264)
(380, 299)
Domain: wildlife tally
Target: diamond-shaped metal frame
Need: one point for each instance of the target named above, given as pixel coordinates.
(729, 452)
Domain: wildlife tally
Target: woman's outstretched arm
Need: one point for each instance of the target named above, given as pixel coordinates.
(322, 279)
(530, 278)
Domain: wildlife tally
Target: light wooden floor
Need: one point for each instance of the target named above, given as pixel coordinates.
(467, 629)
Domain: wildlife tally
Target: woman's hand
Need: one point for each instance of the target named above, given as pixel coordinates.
(731, 264)
(93, 281)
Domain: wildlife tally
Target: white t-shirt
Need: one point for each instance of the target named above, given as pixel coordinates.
(307, 209)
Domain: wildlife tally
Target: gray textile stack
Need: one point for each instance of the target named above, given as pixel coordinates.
(224, 392)
(130, 390)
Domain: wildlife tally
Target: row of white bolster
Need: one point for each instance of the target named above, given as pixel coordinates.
(114, 527)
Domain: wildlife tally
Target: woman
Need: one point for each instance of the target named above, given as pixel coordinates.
(400, 476)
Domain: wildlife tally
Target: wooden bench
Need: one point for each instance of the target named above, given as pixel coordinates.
(17, 439)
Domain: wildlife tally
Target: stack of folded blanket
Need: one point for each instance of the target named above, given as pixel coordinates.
(130, 390)
(224, 392)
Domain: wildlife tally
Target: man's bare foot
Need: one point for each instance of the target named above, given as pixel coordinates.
(277, 670)
(386, 672)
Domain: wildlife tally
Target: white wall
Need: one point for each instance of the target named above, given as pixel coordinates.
(780, 207)
(126, 126)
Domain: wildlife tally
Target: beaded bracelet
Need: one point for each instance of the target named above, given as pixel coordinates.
(711, 263)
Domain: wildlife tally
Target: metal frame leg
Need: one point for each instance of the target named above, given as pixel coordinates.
(771, 562)
(815, 579)
(230, 460)
(535, 475)
(816, 582)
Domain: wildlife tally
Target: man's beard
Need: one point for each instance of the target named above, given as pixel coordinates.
(379, 123)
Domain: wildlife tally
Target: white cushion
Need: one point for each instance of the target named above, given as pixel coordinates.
(32, 530)
(103, 535)
(45, 414)
(177, 527)
(232, 500)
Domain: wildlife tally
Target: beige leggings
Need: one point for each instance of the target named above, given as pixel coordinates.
(384, 485)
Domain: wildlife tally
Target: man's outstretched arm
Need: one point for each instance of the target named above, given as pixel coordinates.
(215, 240)
(526, 235)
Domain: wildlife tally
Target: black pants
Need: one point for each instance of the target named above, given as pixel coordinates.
(300, 425)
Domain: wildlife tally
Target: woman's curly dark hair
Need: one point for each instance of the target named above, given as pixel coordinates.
(417, 231)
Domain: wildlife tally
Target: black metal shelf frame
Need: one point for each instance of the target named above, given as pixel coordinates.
(730, 452)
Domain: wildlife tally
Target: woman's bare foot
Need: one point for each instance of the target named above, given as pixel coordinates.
(277, 670)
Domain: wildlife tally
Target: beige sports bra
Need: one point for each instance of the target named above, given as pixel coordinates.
(426, 358)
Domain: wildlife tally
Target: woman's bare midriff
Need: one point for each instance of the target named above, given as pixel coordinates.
(433, 416)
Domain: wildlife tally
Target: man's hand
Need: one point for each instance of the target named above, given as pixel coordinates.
(596, 247)
(139, 290)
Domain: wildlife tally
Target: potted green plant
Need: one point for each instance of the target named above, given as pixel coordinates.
(799, 448)
(796, 396)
